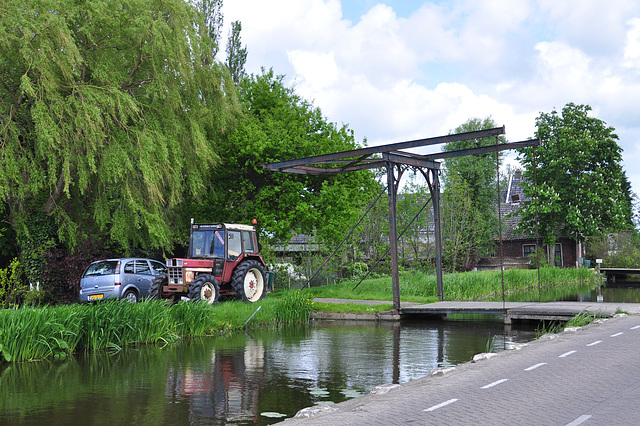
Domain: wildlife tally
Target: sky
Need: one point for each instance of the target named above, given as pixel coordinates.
(398, 70)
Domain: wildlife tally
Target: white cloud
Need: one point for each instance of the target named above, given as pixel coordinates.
(594, 26)
(319, 71)
(564, 69)
(376, 47)
(632, 48)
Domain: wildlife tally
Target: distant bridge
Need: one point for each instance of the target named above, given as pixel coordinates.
(615, 274)
(516, 311)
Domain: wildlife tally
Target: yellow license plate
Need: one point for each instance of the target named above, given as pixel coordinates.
(96, 296)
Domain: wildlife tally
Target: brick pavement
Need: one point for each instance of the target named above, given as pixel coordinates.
(588, 376)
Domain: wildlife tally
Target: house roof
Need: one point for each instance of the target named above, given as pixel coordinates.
(514, 193)
(511, 200)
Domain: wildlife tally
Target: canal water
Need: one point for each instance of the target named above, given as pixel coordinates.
(260, 377)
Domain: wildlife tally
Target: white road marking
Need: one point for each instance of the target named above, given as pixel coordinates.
(636, 327)
(533, 367)
(595, 343)
(566, 354)
(490, 385)
(579, 420)
(435, 407)
(617, 334)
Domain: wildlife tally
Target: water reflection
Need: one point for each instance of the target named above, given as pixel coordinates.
(235, 379)
(221, 384)
(611, 293)
(620, 292)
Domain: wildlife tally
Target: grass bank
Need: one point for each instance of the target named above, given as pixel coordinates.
(417, 286)
(351, 308)
(56, 331)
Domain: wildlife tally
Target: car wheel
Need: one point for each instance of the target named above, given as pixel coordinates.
(130, 296)
(205, 287)
(248, 281)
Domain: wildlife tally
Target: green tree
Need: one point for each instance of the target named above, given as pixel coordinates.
(110, 115)
(236, 54)
(279, 125)
(213, 20)
(416, 242)
(460, 220)
(371, 239)
(582, 190)
(477, 173)
(619, 250)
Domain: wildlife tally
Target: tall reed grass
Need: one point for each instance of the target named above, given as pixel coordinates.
(113, 324)
(295, 306)
(417, 286)
(32, 333)
(54, 331)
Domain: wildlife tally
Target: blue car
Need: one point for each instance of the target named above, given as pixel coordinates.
(126, 278)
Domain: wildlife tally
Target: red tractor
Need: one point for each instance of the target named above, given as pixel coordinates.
(223, 260)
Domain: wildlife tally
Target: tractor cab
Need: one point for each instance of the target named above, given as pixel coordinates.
(222, 241)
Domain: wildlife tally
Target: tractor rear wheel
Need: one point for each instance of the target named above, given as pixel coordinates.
(248, 281)
(155, 289)
(205, 287)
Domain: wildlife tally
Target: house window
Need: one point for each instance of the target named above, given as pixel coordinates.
(557, 255)
(528, 249)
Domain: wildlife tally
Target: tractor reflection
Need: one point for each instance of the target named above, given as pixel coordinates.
(226, 389)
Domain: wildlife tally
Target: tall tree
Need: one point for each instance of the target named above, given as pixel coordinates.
(236, 54)
(415, 219)
(279, 125)
(110, 112)
(460, 222)
(477, 174)
(582, 190)
(213, 20)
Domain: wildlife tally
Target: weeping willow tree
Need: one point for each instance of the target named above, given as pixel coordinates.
(110, 112)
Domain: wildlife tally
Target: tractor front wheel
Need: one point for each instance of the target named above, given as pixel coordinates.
(248, 281)
(155, 289)
(205, 287)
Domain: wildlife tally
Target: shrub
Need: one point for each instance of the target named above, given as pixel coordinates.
(63, 269)
(12, 285)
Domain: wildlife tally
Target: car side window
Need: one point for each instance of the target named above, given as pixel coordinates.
(128, 268)
(142, 267)
(158, 268)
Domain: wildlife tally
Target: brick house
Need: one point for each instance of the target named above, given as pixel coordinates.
(516, 247)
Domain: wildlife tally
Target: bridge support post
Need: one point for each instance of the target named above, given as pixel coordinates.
(393, 236)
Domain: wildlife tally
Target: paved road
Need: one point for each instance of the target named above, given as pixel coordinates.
(589, 376)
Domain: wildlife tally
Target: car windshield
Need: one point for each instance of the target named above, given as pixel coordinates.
(208, 243)
(106, 267)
